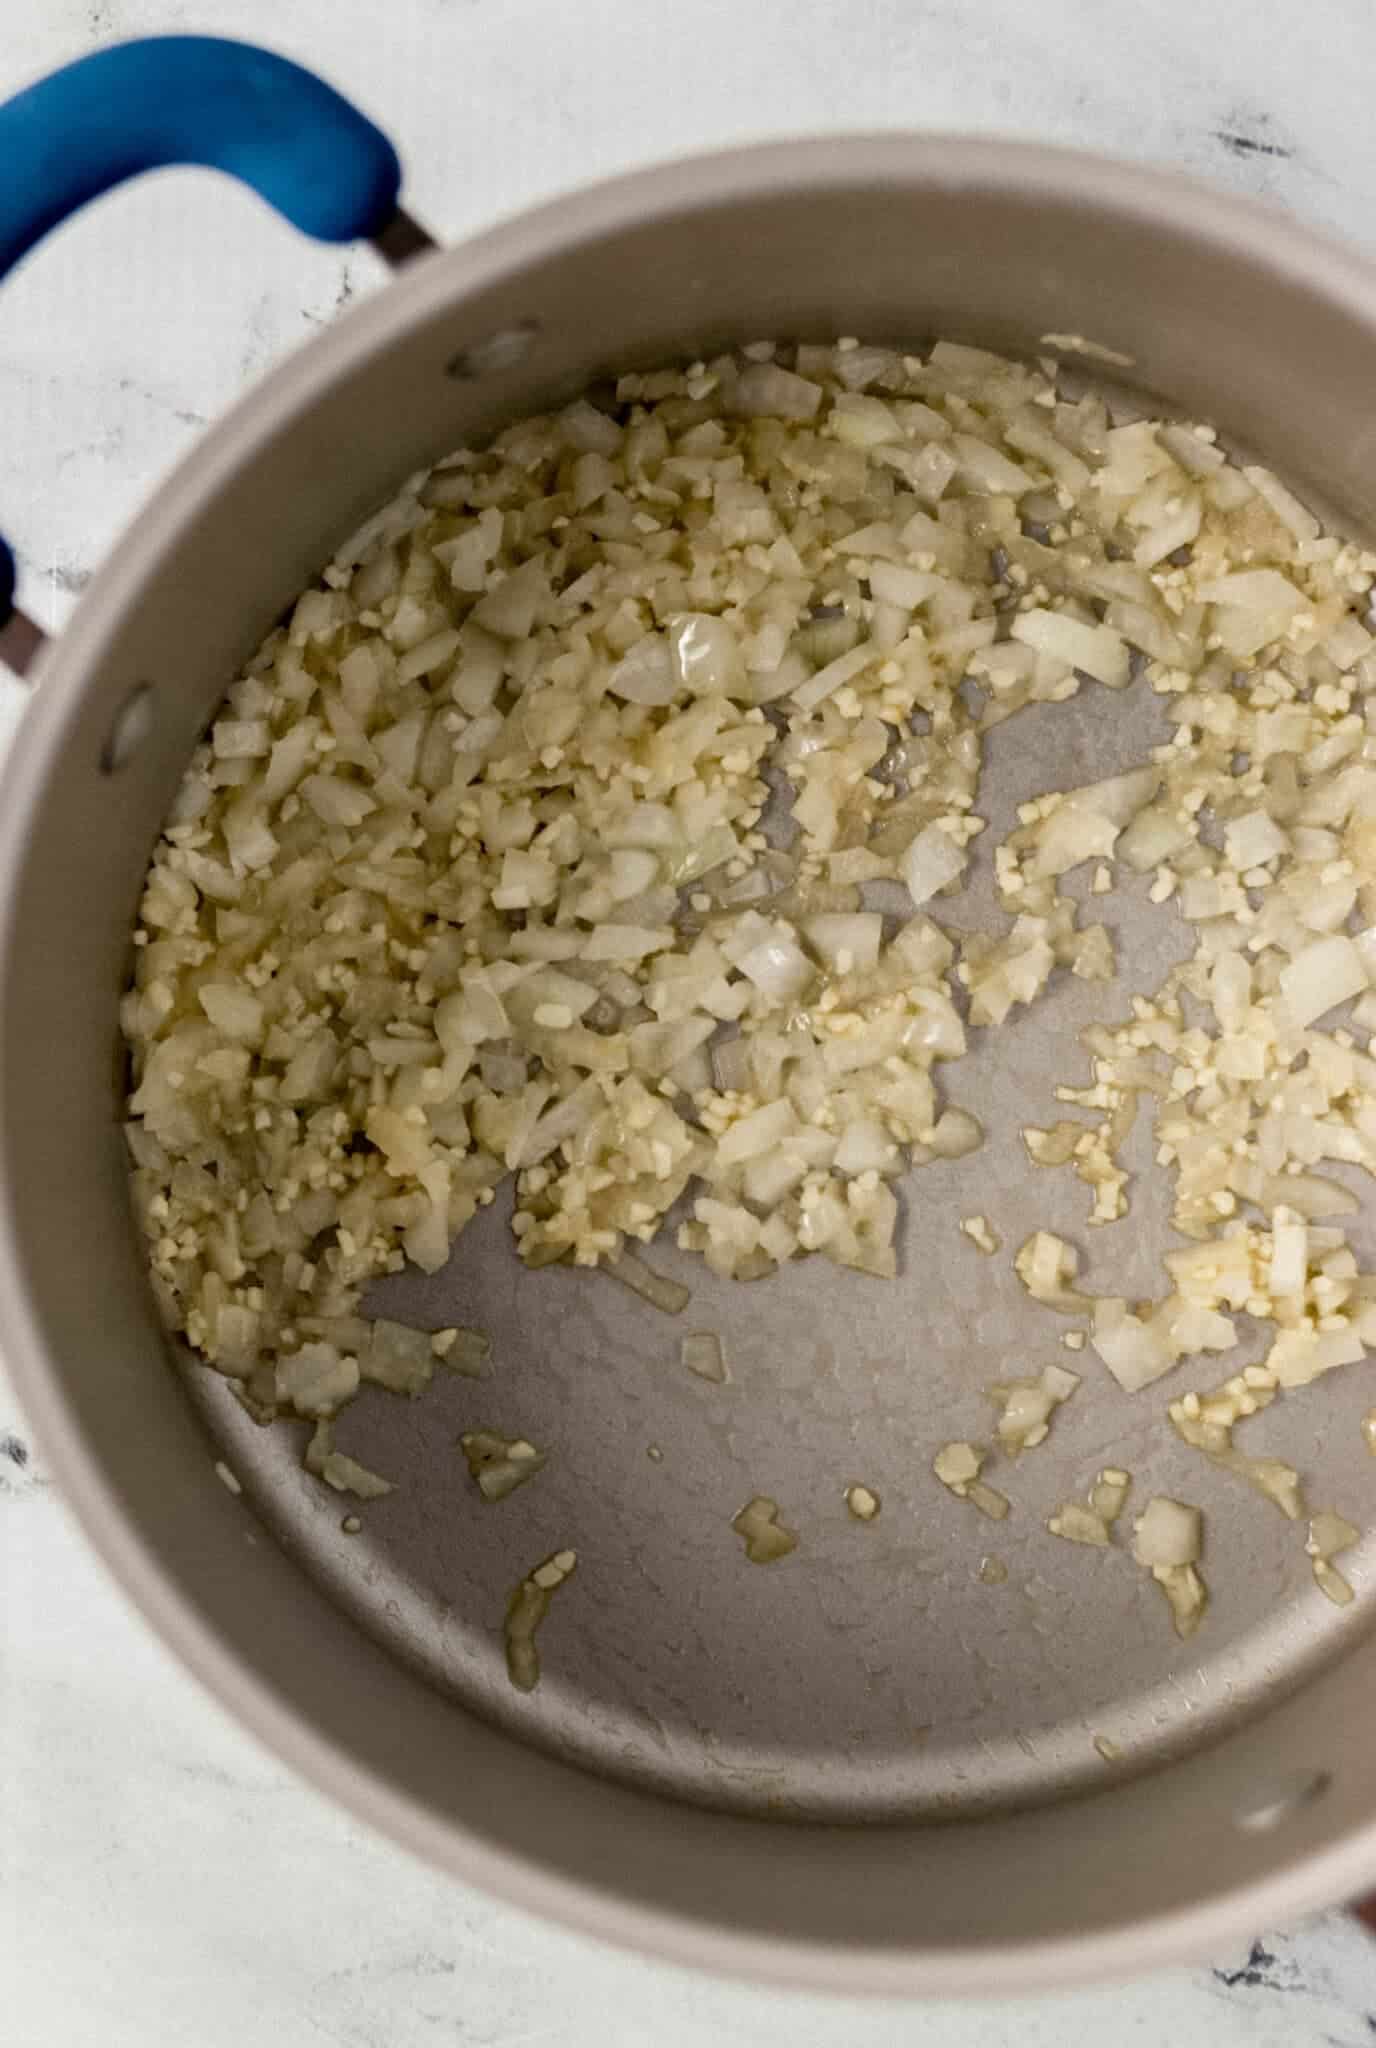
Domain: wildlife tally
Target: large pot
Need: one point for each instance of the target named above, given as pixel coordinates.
(1229, 311)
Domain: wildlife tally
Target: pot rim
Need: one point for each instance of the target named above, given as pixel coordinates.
(1324, 268)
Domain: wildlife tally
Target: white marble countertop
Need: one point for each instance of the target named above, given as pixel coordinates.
(162, 1881)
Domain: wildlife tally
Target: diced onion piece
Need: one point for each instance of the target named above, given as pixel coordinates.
(1096, 650)
(759, 1131)
(1078, 1524)
(316, 1379)
(701, 1353)
(1046, 1265)
(1329, 1535)
(1136, 1352)
(336, 802)
(1085, 824)
(235, 1011)
(1186, 1594)
(1109, 1492)
(343, 1473)
(986, 469)
(987, 1499)
(778, 967)
(462, 1351)
(766, 1538)
(1254, 839)
(706, 654)
(398, 1357)
(498, 1464)
(769, 391)
(1027, 1405)
(626, 941)
(1093, 1523)
(1325, 974)
(633, 869)
(828, 680)
(1167, 1533)
(1286, 506)
(1289, 1265)
(981, 1233)
(865, 1147)
(957, 1466)
(1178, 526)
(671, 1296)
(1256, 590)
(645, 675)
(891, 583)
(525, 1611)
(845, 943)
(931, 862)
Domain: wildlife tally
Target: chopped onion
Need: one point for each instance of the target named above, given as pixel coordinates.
(498, 1464)
(1026, 1407)
(766, 1538)
(397, 1357)
(891, 583)
(1077, 1524)
(1046, 1265)
(980, 1233)
(957, 1466)
(343, 1473)
(462, 1351)
(731, 1068)
(761, 1131)
(1186, 1594)
(1109, 1492)
(1329, 1535)
(316, 1380)
(525, 1611)
(701, 1353)
(706, 654)
(1322, 976)
(828, 680)
(767, 390)
(482, 861)
(1097, 650)
(954, 1134)
(931, 863)
(1092, 1524)
(661, 1292)
(778, 967)
(986, 469)
(1167, 1533)
(646, 674)
(1253, 839)
(1137, 1353)
(846, 944)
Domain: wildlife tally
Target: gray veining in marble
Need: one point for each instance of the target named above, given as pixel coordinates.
(162, 1881)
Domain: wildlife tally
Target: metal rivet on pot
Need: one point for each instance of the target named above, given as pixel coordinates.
(129, 728)
(499, 351)
(1280, 1801)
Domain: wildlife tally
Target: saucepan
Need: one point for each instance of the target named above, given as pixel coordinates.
(872, 1767)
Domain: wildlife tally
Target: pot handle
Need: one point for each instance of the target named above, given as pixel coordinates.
(205, 100)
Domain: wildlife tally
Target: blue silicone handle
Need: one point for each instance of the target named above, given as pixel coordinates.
(205, 100)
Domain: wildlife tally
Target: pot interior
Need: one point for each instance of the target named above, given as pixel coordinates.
(879, 1676)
